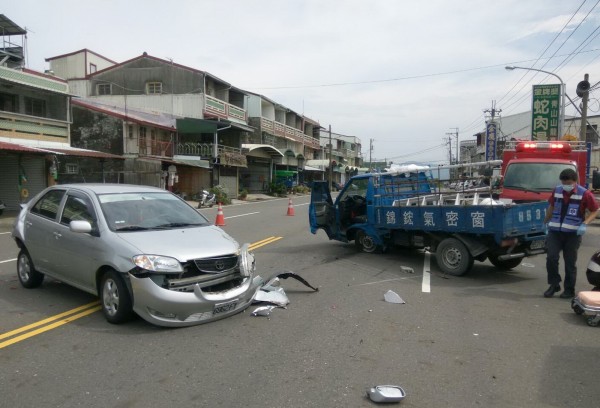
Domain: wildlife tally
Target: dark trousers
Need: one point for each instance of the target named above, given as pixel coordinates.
(568, 243)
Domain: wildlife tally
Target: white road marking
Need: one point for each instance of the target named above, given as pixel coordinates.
(2, 233)
(8, 260)
(242, 215)
(425, 285)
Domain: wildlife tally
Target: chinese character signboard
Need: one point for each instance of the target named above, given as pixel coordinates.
(490, 141)
(545, 112)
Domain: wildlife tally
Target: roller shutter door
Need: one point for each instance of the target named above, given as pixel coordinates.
(9, 190)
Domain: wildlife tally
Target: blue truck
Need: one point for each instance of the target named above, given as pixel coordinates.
(406, 208)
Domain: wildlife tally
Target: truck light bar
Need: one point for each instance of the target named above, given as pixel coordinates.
(556, 146)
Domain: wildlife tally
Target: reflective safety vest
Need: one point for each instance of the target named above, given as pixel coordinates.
(572, 218)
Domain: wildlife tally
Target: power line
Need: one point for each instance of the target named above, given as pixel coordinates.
(375, 81)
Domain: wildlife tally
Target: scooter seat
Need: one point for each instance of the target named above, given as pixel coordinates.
(589, 298)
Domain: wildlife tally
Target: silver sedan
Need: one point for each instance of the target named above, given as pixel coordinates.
(140, 249)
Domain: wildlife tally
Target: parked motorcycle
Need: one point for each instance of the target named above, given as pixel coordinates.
(206, 199)
(2, 207)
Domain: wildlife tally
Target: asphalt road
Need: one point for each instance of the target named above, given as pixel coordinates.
(485, 339)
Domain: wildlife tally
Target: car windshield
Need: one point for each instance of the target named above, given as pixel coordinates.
(534, 176)
(144, 211)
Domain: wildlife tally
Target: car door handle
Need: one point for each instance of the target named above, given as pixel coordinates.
(57, 235)
(28, 223)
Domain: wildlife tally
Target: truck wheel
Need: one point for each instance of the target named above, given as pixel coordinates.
(506, 264)
(364, 242)
(453, 257)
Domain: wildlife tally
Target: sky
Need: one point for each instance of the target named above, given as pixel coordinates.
(402, 74)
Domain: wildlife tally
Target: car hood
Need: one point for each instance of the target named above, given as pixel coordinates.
(183, 243)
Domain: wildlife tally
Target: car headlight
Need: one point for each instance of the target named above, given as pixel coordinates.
(157, 263)
(246, 261)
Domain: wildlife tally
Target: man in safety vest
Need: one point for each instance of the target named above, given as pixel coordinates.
(566, 221)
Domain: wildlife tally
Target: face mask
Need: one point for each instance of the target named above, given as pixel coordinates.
(568, 187)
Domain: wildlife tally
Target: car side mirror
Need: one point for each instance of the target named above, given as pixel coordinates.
(80, 226)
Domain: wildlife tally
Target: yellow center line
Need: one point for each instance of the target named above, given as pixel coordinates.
(48, 320)
(264, 242)
(50, 326)
(77, 313)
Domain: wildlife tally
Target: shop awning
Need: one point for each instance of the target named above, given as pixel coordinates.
(310, 168)
(62, 150)
(261, 150)
(203, 164)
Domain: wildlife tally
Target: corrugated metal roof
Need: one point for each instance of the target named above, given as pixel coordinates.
(8, 27)
(159, 120)
(64, 150)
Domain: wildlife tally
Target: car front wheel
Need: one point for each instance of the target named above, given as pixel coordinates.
(28, 275)
(116, 301)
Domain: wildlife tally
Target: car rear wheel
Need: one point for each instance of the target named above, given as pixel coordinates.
(453, 257)
(116, 301)
(28, 275)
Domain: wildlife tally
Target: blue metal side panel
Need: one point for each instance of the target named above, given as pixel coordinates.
(524, 219)
(499, 221)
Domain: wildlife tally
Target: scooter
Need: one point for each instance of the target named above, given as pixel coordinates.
(2, 207)
(206, 199)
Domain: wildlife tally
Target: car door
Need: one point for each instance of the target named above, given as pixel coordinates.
(321, 210)
(76, 252)
(40, 229)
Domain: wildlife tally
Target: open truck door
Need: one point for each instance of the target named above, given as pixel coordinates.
(321, 212)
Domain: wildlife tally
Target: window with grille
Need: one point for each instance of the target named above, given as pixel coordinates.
(104, 89)
(154, 88)
(71, 168)
(35, 107)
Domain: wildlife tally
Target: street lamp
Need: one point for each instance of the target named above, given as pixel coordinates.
(561, 123)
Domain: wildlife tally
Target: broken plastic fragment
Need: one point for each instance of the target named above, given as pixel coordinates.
(407, 269)
(386, 393)
(263, 311)
(288, 274)
(392, 297)
(276, 297)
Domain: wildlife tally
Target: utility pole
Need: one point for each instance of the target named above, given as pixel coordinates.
(584, 103)
(450, 136)
(370, 151)
(330, 160)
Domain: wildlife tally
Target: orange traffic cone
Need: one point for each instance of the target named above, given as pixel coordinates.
(220, 221)
(290, 208)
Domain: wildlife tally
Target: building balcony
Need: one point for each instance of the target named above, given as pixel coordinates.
(223, 110)
(231, 156)
(279, 129)
(32, 127)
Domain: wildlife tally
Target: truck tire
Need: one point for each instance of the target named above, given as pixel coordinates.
(506, 264)
(453, 257)
(365, 243)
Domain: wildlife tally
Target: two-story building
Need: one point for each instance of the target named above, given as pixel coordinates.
(280, 145)
(346, 157)
(35, 125)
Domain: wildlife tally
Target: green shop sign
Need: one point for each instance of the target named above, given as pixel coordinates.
(545, 110)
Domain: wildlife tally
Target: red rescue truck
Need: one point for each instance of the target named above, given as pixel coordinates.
(530, 169)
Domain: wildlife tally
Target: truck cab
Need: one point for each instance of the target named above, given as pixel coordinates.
(351, 215)
(531, 169)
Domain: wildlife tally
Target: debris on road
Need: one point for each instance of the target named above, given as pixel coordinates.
(270, 292)
(392, 297)
(407, 269)
(275, 296)
(289, 274)
(386, 393)
(263, 311)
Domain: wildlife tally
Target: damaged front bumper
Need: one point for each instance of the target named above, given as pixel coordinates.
(164, 307)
